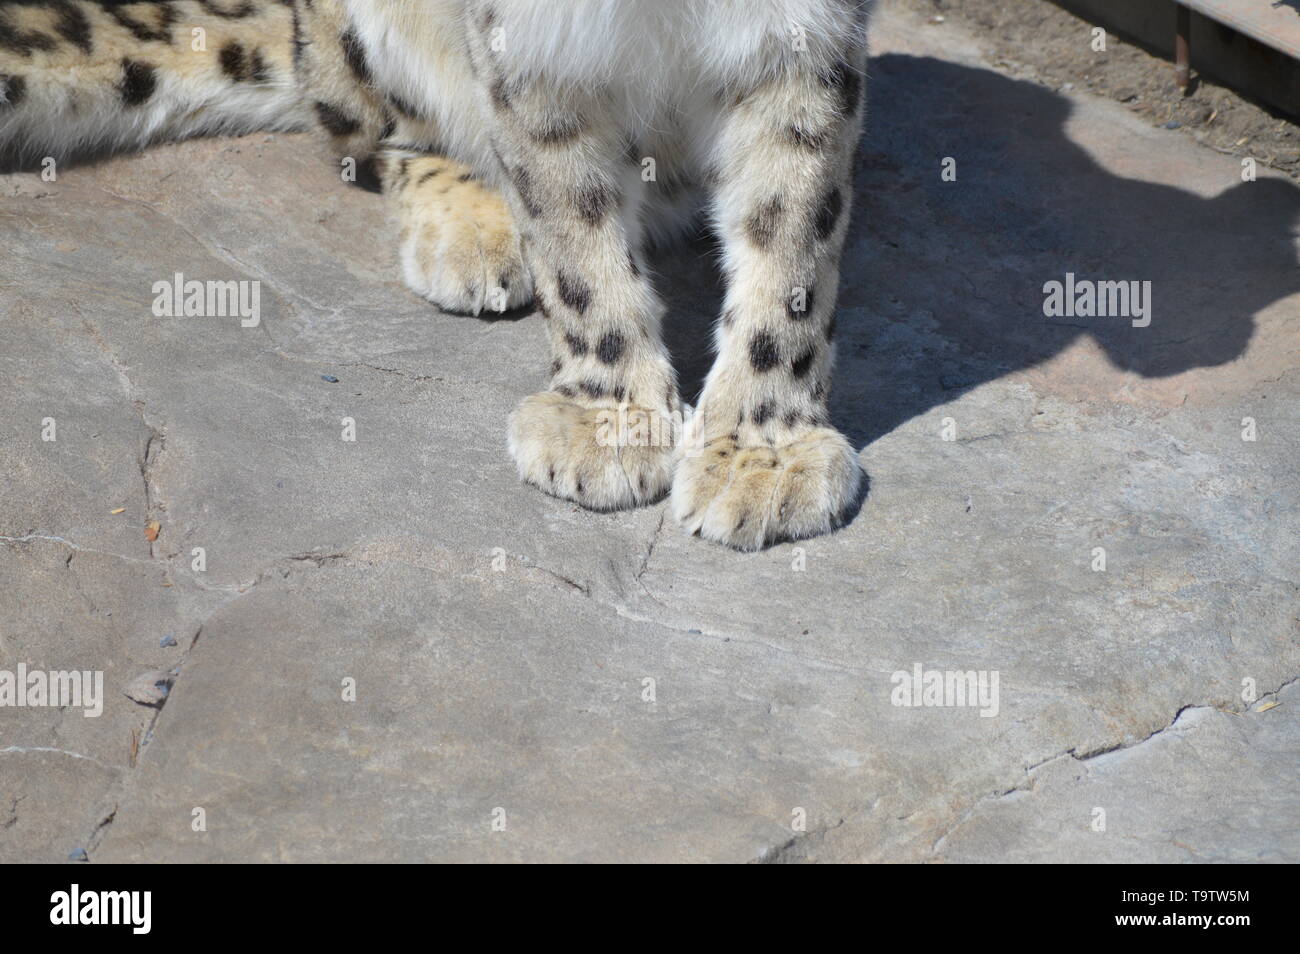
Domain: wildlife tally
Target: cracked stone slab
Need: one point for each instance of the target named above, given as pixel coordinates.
(45, 789)
(1155, 800)
(500, 639)
(66, 608)
(474, 694)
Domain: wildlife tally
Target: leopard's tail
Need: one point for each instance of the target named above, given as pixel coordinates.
(86, 77)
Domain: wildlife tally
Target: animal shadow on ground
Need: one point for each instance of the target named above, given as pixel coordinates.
(941, 286)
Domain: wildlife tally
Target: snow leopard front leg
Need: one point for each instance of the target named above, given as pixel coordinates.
(458, 243)
(601, 434)
(761, 462)
(459, 246)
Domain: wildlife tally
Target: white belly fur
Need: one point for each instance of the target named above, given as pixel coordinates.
(652, 52)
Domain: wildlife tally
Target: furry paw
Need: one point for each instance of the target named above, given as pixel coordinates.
(571, 450)
(460, 248)
(750, 496)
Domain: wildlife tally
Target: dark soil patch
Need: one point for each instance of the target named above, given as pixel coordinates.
(1034, 39)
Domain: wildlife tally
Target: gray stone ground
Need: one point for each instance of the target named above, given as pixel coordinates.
(519, 686)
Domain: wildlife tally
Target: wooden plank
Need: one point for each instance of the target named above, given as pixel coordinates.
(1275, 23)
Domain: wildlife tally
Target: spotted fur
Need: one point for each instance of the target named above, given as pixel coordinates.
(531, 150)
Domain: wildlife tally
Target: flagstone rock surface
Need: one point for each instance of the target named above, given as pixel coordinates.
(389, 649)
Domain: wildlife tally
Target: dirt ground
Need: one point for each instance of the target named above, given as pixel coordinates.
(1034, 39)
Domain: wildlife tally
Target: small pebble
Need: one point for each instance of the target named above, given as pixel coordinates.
(330, 378)
(149, 688)
(168, 640)
(1172, 124)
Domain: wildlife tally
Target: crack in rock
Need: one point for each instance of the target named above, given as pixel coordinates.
(75, 547)
(45, 748)
(650, 549)
(98, 832)
(155, 439)
(154, 445)
(319, 559)
(1030, 781)
(13, 813)
(409, 375)
(583, 588)
(780, 854)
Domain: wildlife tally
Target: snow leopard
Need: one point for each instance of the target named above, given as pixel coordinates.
(532, 151)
